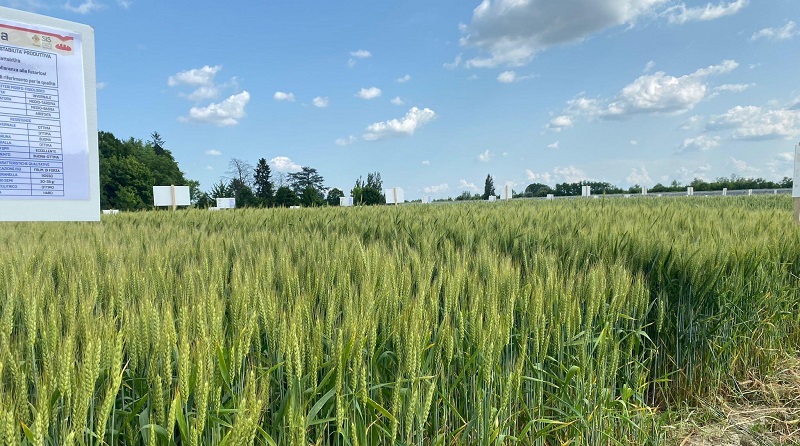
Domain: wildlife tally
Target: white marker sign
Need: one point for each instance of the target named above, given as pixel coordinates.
(796, 187)
(171, 196)
(395, 195)
(49, 163)
(226, 203)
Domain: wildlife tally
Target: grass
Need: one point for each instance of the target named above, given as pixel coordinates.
(535, 323)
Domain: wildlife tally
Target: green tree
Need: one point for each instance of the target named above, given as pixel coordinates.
(333, 196)
(370, 192)
(307, 176)
(264, 188)
(537, 190)
(311, 197)
(285, 197)
(488, 188)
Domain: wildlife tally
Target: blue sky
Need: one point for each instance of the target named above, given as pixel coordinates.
(435, 95)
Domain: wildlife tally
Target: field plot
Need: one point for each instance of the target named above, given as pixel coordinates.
(534, 323)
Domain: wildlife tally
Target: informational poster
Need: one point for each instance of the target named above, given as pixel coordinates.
(394, 195)
(48, 119)
(226, 203)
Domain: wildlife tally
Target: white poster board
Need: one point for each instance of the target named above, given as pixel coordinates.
(226, 203)
(49, 161)
(796, 186)
(689, 191)
(550, 196)
(395, 195)
(427, 199)
(345, 201)
(492, 198)
(162, 196)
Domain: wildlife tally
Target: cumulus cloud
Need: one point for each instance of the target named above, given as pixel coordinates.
(223, 114)
(649, 67)
(405, 126)
(320, 102)
(689, 173)
(560, 123)
(101, 85)
(784, 33)
(735, 88)
(204, 93)
(545, 177)
(464, 184)
(485, 156)
(512, 32)
(341, 142)
(283, 96)
(426, 163)
(657, 93)
(369, 93)
(639, 176)
(698, 144)
(84, 8)
(195, 77)
(213, 152)
(691, 123)
(553, 145)
(284, 164)
(436, 189)
(404, 79)
(681, 14)
(397, 101)
(742, 166)
(757, 123)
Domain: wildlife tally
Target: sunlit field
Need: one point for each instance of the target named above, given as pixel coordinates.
(577, 322)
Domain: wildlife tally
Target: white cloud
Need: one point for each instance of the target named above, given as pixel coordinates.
(639, 176)
(742, 166)
(125, 4)
(698, 144)
(320, 101)
(209, 167)
(691, 122)
(361, 54)
(284, 164)
(485, 156)
(545, 177)
(553, 145)
(513, 31)
(436, 189)
(283, 96)
(507, 77)
(397, 101)
(634, 142)
(404, 79)
(341, 142)
(570, 174)
(560, 123)
(225, 113)
(784, 33)
(101, 85)
(662, 93)
(680, 14)
(213, 152)
(204, 93)
(734, 88)
(195, 77)
(756, 123)
(369, 93)
(463, 184)
(649, 67)
(84, 8)
(405, 126)
(426, 163)
(454, 64)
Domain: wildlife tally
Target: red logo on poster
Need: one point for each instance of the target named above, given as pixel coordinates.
(63, 47)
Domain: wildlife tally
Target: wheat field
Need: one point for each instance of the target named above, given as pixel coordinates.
(536, 322)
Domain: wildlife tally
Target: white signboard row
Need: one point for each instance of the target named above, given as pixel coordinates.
(226, 203)
(49, 162)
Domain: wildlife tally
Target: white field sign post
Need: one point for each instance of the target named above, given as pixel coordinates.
(689, 191)
(49, 162)
(173, 196)
(796, 186)
(226, 203)
(395, 196)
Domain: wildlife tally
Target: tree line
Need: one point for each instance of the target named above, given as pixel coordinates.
(129, 169)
